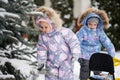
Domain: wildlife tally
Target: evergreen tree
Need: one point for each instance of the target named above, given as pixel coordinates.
(14, 22)
(112, 7)
(15, 25)
(65, 7)
(39, 2)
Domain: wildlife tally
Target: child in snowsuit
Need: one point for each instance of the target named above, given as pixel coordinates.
(91, 36)
(58, 43)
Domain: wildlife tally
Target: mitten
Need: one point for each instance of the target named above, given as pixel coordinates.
(40, 66)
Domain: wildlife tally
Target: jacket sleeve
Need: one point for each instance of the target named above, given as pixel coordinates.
(106, 42)
(80, 36)
(41, 50)
(72, 41)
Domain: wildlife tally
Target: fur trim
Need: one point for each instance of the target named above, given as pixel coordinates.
(52, 15)
(101, 13)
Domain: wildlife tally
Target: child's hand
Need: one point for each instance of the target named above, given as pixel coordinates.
(40, 66)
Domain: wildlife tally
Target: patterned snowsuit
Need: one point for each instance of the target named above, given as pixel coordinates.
(60, 45)
(91, 40)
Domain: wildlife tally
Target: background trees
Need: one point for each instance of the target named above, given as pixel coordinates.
(65, 8)
(16, 31)
(112, 7)
(14, 23)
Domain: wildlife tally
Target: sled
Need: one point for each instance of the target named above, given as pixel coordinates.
(116, 62)
(104, 63)
(117, 78)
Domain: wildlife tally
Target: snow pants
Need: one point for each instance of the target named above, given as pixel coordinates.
(63, 72)
(84, 70)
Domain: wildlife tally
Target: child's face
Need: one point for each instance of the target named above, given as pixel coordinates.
(45, 27)
(92, 25)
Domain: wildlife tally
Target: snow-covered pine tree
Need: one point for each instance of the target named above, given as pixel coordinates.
(14, 23)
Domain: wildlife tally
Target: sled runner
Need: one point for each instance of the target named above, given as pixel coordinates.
(103, 63)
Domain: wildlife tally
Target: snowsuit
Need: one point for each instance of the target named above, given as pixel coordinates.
(91, 41)
(60, 46)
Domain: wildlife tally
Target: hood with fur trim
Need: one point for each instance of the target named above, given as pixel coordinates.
(91, 15)
(101, 13)
(51, 14)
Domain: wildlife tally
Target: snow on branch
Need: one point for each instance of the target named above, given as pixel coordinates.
(2, 10)
(36, 14)
(7, 32)
(7, 77)
(7, 14)
(5, 1)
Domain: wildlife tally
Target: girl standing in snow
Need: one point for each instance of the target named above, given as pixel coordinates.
(91, 37)
(58, 43)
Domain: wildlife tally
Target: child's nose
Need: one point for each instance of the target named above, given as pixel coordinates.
(44, 29)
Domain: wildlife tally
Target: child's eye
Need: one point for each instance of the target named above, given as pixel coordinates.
(46, 27)
(95, 24)
(41, 27)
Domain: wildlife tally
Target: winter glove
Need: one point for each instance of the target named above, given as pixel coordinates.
(41, 64)
(41, 57)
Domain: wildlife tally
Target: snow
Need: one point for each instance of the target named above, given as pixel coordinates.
(67, 16)
(2, 10)
(6, 14)
(5, 76)
(5, 1)
(31, 73)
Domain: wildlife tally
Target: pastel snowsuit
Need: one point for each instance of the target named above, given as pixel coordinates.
(91, 40)
(60, 45)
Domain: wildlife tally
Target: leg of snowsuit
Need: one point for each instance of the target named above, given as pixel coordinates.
(53, 70)
(64, 72)
(84, 70)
